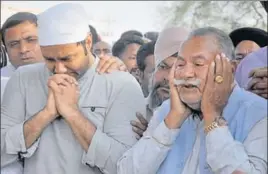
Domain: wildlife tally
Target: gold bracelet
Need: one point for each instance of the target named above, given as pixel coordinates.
(218, 122)
(210, 127)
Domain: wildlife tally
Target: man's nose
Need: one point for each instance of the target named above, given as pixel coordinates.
(102, 54)
(165, 82)
(60, 68)
(187, 72)
(23, 47)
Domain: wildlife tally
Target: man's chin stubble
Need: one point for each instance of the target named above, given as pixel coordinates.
(156, 100)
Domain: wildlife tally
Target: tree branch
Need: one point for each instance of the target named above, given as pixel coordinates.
(257, 22)
(226, 4)
(241, 16)
(260, 17)
(256, 10)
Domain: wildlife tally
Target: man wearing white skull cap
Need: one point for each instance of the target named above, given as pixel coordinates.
(61, 116)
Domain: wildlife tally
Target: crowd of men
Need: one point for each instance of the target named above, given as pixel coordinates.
(175, 102)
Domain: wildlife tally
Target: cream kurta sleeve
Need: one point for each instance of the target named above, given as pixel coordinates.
(12, 120)
(108, 146)
(249, 156)
(146, 156)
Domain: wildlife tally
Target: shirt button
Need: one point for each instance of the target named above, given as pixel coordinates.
(88, 164)
(179, 165)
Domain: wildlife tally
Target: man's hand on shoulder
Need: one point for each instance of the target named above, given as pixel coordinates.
(108, 64)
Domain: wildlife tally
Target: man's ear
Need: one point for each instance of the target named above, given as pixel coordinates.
(140, 73)
(89, 42)
(234, 65)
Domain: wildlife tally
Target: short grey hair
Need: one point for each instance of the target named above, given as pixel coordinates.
(221, 39)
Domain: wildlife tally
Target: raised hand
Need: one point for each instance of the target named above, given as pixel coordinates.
(219, 85)
(259, 82)
(259, 72)
(139, 127)
(66, 93)
(178, 110)
(50, 107)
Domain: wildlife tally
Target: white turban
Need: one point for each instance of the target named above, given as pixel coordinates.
(169, 42)
(62, 24)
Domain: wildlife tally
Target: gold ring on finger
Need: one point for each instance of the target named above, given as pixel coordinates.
(218, 79)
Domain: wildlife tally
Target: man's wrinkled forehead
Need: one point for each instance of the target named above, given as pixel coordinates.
(246, 45)
(198, 44)
(58, 51)
(23, 30)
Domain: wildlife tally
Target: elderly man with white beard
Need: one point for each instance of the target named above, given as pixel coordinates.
(209, 125)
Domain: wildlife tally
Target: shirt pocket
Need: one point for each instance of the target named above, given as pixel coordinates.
(95, 114)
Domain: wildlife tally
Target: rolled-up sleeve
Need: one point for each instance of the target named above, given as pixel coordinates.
(94, 154)
(12, 121)
(15, 136)
(146, 156)
(109, 144)
(249, 157)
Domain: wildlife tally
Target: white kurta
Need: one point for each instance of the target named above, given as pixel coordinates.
(7, 71)
(109, 101)
(249, 156)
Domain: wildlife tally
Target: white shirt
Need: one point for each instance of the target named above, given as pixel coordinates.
(16, 167)
(4, 81)
(7, 71)
(104, 101)
(149, 152)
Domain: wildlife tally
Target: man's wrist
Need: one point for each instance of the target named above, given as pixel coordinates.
(218, 122)
(74, 112)
(209, 117)
(48, 115)
(174, 121)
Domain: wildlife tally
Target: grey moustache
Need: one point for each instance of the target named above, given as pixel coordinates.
(188, 82)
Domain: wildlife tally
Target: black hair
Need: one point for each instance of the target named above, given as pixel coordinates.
(94, 33)
(120, 45)
(83, 43)
(3, 58)
(131, 33)
(17, 19)
(152, 35)
(144, 51)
